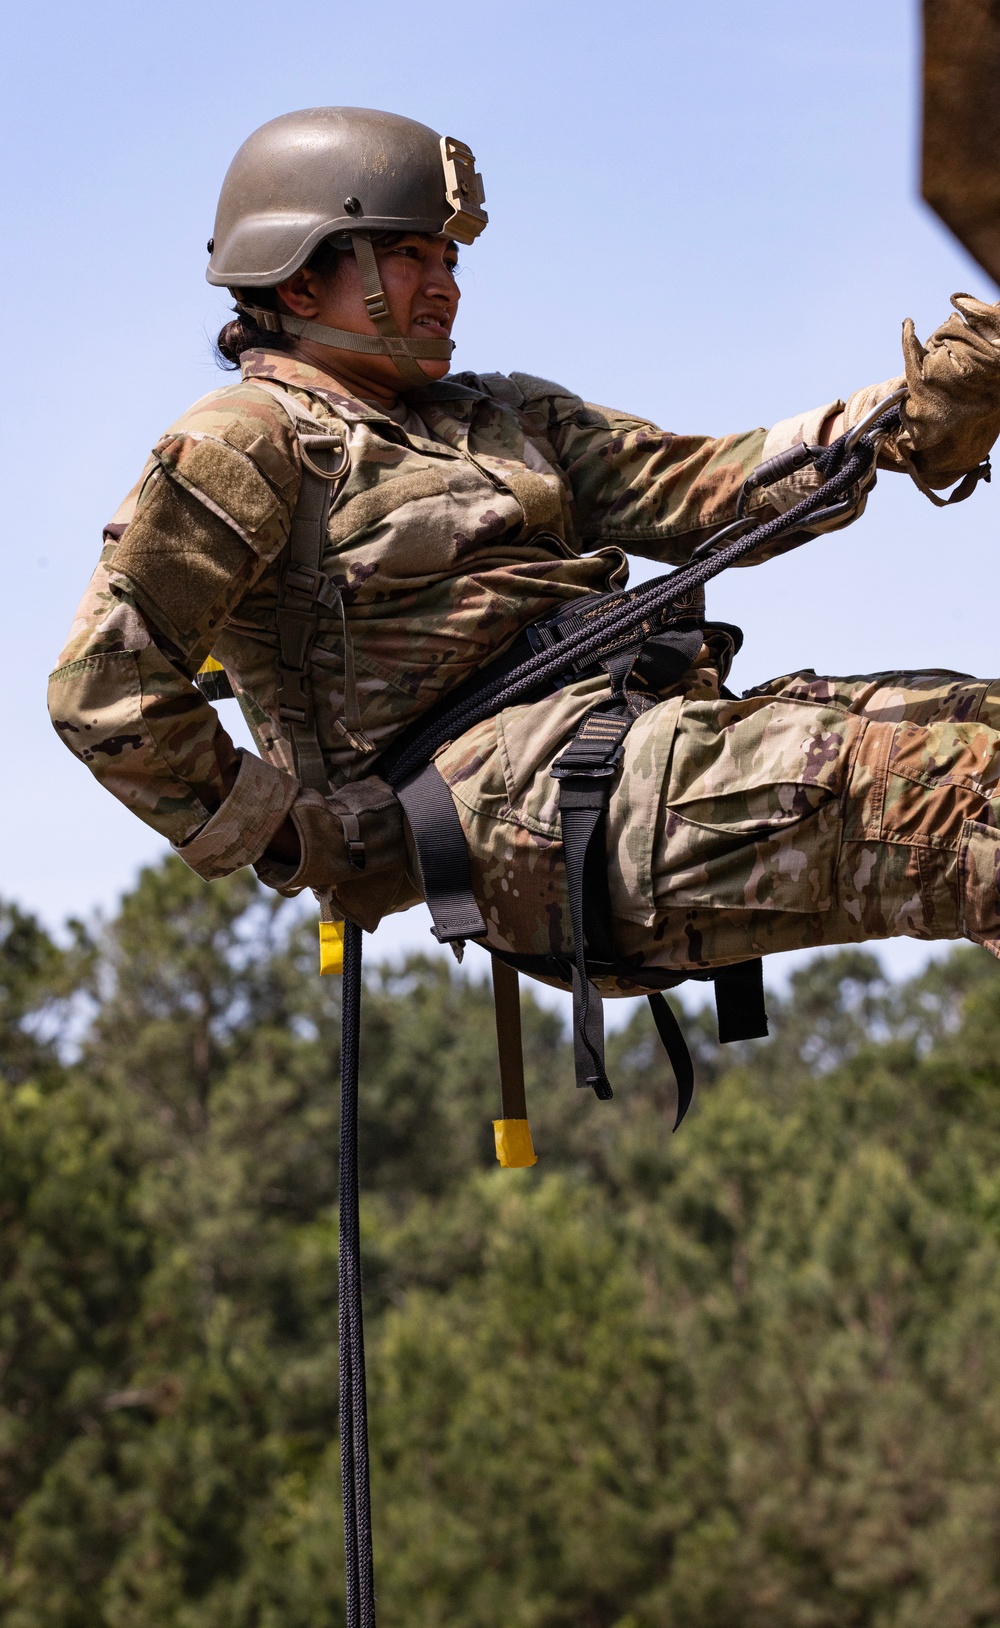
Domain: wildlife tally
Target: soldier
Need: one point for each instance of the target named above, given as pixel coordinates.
(455, 511)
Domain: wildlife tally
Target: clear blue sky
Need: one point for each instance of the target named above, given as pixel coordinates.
(706, 213)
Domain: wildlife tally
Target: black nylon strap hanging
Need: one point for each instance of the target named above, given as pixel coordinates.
(739, 1001)
(581, 810)
(443, 856)
(510, 1051)
(354, 1470)
(676, 1048)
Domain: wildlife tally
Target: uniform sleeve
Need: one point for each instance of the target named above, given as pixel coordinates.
(211, 512)
(648, 490)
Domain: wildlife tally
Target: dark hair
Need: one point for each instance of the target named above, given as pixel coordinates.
(244, 333)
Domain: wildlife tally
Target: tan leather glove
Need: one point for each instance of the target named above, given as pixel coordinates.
(951, 416)
(353, 851)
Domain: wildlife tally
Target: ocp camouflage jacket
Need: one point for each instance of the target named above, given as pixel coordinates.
(519, 498)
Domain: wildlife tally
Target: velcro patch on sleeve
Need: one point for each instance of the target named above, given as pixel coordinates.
(539, 495)
(231, 485)
(187, 564)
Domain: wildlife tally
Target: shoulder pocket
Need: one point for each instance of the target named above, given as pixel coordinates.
(230, 484)
(187, 567)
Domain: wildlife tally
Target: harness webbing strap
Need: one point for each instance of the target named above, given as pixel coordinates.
(442, 855)
(739, 1001)
(584, 771)
(297, 618)
(676, 1048)
(305, 592)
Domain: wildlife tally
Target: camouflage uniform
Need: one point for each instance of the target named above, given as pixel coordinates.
(812, 811)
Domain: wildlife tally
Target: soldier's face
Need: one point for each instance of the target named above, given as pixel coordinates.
(418, 277)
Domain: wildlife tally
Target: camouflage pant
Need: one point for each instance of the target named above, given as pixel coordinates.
(827, 811)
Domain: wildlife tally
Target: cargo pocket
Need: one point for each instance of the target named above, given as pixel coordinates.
(979, 884)
(752, 816)
(705, 861)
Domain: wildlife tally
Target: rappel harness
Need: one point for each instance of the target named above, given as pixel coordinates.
(644, 639)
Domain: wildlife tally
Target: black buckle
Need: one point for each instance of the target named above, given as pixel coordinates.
(309, 584)
(594, 751)
(294, 699)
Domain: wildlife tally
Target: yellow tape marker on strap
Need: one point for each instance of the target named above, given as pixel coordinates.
(513, 1143)
(331, 946)
(210, 665)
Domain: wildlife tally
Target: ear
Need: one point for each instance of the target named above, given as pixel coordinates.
(299, 293)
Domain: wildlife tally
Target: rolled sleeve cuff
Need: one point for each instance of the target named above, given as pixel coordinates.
(789, 432)
(241, 829)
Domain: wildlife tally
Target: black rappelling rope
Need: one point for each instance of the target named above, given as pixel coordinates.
(353, 1398)
(619, 623)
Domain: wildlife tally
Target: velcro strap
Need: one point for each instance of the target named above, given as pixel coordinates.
(442, 855)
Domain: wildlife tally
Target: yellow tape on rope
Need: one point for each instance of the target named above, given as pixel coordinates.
(331, 947)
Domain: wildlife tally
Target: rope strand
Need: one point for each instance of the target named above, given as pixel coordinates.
(354, 1471)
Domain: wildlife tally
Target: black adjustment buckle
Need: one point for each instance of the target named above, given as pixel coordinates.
(294, 699)
(595, 749)
(310, 584)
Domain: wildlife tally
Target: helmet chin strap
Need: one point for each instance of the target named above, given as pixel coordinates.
(390, 342)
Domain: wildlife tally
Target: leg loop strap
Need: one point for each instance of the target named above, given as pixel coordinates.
(584, 772)
(442, 855)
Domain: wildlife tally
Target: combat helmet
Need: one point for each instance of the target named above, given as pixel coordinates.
(341, 173)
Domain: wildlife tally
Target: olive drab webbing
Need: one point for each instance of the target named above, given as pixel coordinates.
(390, 341)
(305, 592)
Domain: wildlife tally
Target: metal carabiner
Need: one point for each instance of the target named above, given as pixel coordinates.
(711, 545)
(872, 416)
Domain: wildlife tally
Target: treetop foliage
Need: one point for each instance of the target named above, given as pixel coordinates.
(748, 1375)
